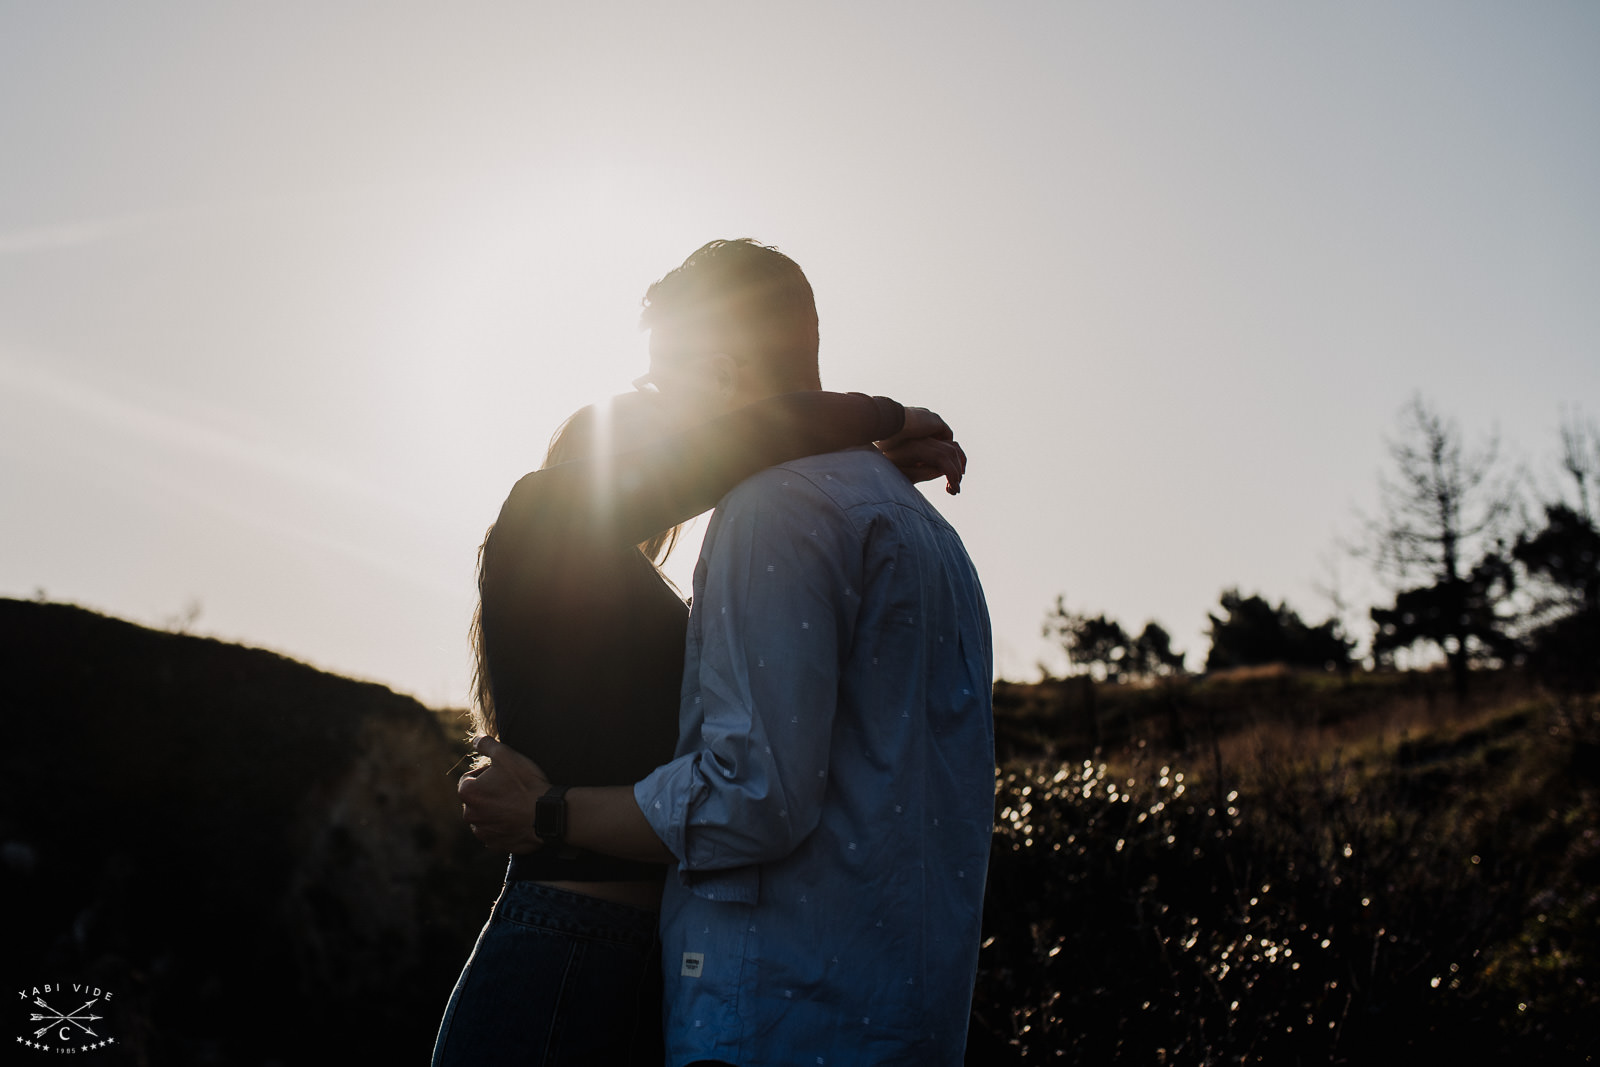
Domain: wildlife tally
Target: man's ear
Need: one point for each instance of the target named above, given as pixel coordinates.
(722, 375)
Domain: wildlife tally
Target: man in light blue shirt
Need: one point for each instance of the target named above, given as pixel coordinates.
(830, 804)
(831, 801)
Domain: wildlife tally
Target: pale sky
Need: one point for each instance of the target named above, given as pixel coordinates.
(291, 293)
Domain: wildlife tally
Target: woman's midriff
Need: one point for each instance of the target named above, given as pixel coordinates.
(645, 895)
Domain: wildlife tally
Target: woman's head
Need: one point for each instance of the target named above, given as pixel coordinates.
(626, 423)
(621, 424)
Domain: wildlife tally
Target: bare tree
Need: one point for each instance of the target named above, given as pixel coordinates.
(1444, 510)
(1580, 458)
(1442, 502)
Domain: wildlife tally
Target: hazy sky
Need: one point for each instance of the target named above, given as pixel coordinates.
(290, 294)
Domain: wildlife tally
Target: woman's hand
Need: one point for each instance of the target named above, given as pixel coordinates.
(925, 448)
(498, 799)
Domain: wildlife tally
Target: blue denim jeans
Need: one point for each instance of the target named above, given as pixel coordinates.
(557, 978)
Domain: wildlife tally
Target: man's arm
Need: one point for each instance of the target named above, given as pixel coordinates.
(775, 617)
(682, 474)
(498, 802)
(779, 602)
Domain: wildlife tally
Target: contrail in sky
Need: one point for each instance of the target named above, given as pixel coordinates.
(72, 234)
(127, 415)
(27, 382)
(79, 233)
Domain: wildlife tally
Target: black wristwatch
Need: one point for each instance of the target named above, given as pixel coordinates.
(550, 816)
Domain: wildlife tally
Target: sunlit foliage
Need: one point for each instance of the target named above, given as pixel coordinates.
(1431, 899)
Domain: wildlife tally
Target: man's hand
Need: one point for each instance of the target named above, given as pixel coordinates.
(925, 448)
(498, 800)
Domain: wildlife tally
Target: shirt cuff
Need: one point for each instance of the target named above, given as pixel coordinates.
(666, 796)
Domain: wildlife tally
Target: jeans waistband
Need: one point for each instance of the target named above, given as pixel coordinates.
(550, 866)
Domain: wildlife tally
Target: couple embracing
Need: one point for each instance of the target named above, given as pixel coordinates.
(754, 832)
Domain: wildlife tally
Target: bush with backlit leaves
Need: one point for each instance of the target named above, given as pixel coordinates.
(1330, 913)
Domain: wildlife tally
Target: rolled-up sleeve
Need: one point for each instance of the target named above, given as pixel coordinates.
(773, 617)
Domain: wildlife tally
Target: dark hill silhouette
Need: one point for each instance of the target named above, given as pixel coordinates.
(263, 861)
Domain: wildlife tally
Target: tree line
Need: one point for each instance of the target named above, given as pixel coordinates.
(1482, 568)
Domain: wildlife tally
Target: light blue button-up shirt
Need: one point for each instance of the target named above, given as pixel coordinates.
(832, 796)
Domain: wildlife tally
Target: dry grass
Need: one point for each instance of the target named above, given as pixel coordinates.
(1364, 873)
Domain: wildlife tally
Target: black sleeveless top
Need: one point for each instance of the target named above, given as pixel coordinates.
(583, 636)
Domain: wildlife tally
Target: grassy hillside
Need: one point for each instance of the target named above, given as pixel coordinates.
(266, 865)
(1309, 870)
(1072, 717)
(250, 853)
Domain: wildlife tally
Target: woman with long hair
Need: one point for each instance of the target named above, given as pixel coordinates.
(579, 642)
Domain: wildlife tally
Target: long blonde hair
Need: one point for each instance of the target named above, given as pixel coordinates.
(611, 426)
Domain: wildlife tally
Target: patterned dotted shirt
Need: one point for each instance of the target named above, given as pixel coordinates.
(832, 796)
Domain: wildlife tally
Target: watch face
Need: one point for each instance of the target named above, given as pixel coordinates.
(550, 817)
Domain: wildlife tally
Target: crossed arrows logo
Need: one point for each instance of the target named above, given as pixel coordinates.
(55, 1018)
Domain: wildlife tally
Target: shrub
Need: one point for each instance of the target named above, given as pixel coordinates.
(1320, 912)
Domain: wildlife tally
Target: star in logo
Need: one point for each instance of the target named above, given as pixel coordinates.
(44, 1047)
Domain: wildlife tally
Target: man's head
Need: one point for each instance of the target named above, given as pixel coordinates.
(734, 323)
